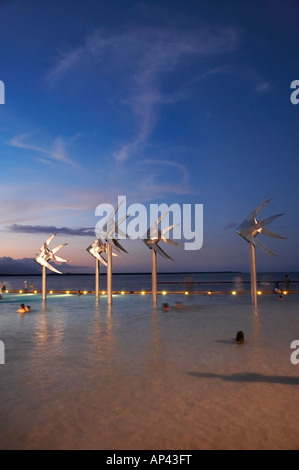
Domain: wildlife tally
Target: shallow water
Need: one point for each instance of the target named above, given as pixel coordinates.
(81, 375)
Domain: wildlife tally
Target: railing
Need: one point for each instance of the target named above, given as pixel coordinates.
(265, 287)
(184, 287)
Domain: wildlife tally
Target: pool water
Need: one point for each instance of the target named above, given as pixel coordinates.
(81, 375)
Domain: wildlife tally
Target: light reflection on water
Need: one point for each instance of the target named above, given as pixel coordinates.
(80, 374)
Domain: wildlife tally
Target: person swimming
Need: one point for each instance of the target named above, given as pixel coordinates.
(166, 307)
(240, 337)
(22, 309)
(179, 305)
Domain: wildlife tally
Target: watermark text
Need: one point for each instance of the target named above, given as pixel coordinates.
(158, 221)
(295, 94)
(2, 353)
(295, 354)
(2, 92)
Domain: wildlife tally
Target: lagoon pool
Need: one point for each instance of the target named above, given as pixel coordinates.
(80, 375)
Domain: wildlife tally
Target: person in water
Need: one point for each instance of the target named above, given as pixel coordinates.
(166, 307)
(179, 305)
(28, 308)
(240, 337)
(22, 309)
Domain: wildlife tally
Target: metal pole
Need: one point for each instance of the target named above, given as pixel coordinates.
(253, 275)
(97, 289)
(44, 283)
(154, 276)
(109, 274)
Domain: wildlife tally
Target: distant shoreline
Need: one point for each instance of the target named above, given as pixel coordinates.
(141, 274)
(125, 274)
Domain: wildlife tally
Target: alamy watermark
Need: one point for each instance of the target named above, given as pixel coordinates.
(159, 221)
(2, 353)
(2, 92)
(295, 94)
(295, 355)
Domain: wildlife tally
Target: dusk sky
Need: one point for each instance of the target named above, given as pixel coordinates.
(160, 101)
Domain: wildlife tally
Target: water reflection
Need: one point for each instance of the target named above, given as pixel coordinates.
(101, 339)
(41, 330)
(157, 353)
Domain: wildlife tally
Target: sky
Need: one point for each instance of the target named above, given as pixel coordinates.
(159, 101)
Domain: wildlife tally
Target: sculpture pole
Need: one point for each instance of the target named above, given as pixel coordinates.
(109, 274)
(44, 283)
(249, 229)
(154, 277)
(97, 287)
(253, 274)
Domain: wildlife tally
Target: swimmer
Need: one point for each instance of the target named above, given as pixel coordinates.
(179, 305)
(28, 308)
(22, 309)
(280, 298)
(240, 337)
(166, 307)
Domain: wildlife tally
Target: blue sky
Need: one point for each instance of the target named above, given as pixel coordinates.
(161, 101)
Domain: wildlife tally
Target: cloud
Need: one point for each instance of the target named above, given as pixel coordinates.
(165, 171)
(263, 87)
(78, 232)
(57, 151)
(140, 62)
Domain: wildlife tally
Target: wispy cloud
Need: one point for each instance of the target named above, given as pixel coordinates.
(158, 183)
(143, 60)
(263, 87)
(56, 152)
(78, 232)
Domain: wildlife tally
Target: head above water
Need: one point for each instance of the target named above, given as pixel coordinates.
(240, 337)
